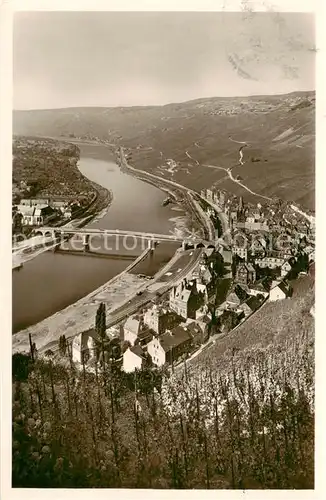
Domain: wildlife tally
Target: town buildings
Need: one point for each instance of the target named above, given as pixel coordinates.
(36, 215)
(131, 330)
(249, 306)
(160, 319)
(258, 246)
(270, 262)
(170, 346)
(285, 268)
(181, 300)
(32, 202)
(245, 273)
(240, 251)
(164, 334)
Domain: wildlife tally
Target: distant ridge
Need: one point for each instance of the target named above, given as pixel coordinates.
(153, 106)
(280, 130)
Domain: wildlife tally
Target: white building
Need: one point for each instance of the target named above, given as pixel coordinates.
(36, 215)
(279, 292)
(241, 252)
(253, 225)
(180, 299)
(285, 268)
(271, 262)
(133, 359)
(31, 202)
(258, 290)
(27, 213)
(157, 352)
(173, 344)
(153, 318)
(131, 329)
(67, 213)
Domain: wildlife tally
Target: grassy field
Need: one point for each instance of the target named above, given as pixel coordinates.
(279, 131)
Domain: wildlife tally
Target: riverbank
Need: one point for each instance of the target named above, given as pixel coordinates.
(184, 197)
(100, 205)
(59, 281)
(79, 316)
(46, 275)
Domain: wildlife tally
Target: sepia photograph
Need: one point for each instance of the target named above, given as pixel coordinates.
(163, 250)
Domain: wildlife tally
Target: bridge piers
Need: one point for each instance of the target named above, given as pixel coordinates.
(184, 245)
(57, 247)
(86, 242)
(152, 245)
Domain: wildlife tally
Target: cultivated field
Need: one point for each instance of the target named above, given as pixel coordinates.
(262, 331)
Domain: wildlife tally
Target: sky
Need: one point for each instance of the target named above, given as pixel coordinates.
(68, 59)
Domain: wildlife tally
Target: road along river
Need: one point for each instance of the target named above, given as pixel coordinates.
(53, 281)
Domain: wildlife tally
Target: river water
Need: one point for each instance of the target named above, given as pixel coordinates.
(53, 281)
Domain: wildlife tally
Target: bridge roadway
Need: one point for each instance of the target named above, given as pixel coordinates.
(56, 232)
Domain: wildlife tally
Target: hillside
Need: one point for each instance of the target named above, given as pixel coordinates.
(47, 168)
(50, 166)
(235, 419)
(295, 325)
(279, 132)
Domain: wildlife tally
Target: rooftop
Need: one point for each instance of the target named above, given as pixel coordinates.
(282, 286)
(133, 325)
(176, 337)
(136, 349)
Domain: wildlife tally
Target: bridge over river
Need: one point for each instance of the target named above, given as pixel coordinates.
(63, 233)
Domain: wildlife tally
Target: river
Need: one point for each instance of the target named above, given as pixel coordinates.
(53, 281)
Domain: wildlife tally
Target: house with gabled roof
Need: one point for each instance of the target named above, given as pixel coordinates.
(244, 307)
(279, 291)
(261, 287)
(258, 246)
(172, 344)
(131, 329)
(134, 358)
(198, 329)
(231, 302)
(250, 305)
(270, 262)
(285, 268)
(181, 300)
(245, 273)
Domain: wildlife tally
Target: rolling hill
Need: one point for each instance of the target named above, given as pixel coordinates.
(279, 132)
